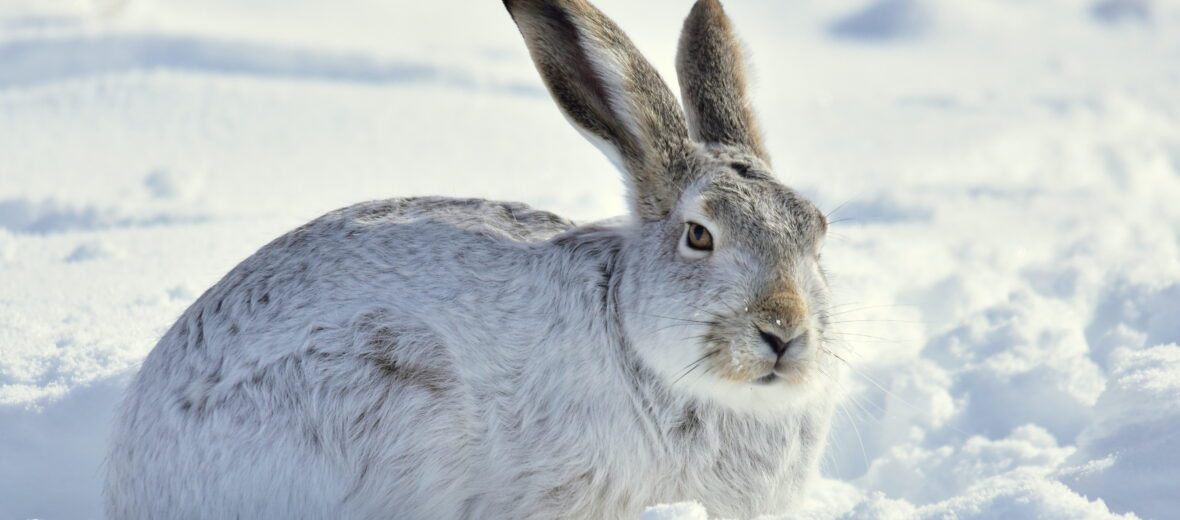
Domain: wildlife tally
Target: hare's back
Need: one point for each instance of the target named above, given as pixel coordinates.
(407, 251)
(512, 220)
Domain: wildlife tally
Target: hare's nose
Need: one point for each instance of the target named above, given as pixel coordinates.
(777, 344)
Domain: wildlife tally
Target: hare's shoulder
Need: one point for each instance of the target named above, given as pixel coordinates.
(513, 220)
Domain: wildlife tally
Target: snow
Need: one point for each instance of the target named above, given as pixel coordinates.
(1002, 175)
(681, 511)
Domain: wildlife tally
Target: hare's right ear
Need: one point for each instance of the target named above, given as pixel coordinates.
(610, 93)
(712, 76)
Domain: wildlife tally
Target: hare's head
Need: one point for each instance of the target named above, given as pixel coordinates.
(722, 292)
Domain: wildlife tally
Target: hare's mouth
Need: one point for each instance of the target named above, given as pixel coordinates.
(785, 375)
(768, 378)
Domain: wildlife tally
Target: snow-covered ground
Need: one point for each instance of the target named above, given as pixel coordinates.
(1005, 175)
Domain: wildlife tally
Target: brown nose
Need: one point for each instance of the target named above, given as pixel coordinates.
(782, 304)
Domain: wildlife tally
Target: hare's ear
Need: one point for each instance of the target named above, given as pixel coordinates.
(711, 69)
(611, 94)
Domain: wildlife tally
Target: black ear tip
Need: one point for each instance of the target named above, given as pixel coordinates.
(704, 8)
(713, 6)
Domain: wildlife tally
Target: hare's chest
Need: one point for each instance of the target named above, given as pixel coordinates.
(741, 472)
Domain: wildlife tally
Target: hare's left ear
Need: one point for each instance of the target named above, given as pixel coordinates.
(711, 68)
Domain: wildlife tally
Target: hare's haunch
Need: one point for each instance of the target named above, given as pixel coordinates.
(436, 358)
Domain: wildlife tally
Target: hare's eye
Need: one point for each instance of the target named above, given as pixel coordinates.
(698, 237)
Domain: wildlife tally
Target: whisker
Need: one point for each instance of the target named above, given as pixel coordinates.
(843, 343)
(856, 430)
(672, 318)
(910, 322)
(899, 398)
(694, 365)
(869, 336)
(715, 315)
(865, 308)
(829, 214)
(672, 326)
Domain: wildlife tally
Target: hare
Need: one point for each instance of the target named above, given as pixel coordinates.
(434, 358)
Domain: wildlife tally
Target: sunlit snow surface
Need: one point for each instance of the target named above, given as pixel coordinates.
(1004, 176)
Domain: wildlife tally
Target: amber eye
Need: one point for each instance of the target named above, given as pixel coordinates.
(699, 238)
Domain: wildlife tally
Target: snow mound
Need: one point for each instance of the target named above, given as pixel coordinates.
(93, 250)
(165, 183)
(1020, 361)
(885, 20)
(926, 476)
(42, 60)
(1128, 454)
(22, 215)
(998, 498)
(1119, 11)
(681, 511)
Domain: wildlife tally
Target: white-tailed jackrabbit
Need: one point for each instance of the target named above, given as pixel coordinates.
(435, 358)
